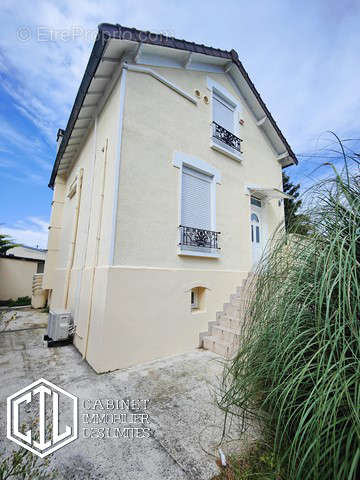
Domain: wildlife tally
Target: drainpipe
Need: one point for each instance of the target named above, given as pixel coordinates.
(97, 248)
(59, 136)
(85, 250)
(73, 242)
(118, 162)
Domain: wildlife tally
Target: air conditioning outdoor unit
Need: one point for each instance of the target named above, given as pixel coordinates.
(60, 328)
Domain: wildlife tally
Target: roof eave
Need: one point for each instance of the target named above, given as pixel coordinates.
(108, 31)
(94, 60)
(125, 33)
(235, 59)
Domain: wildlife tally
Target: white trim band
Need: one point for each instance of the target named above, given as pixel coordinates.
(160, 78)
(181, 158)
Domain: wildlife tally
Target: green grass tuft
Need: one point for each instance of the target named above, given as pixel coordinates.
(297, 371)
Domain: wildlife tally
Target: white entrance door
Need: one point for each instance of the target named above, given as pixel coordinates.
(256, 234)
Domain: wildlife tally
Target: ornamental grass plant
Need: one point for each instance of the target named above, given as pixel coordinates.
(297, 370)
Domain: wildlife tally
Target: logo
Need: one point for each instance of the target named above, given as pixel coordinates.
(46, 435)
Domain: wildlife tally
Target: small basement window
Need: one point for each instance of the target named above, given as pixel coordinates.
(193, 299)
(197, 299)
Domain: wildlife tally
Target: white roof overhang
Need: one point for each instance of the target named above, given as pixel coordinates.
(269, 193)
(108, 71)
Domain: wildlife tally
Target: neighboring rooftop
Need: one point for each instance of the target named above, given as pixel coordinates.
(37, 249)
(17, 257)
(113, 44)
(23, 251)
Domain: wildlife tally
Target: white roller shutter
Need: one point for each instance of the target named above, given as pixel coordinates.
(196, 199)
(223, 113)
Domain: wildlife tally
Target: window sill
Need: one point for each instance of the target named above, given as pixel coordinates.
(235, 156)
(198, 253)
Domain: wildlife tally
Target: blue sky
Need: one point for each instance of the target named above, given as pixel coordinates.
(302, 56)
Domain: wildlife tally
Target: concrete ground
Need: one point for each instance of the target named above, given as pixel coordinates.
(185, 422)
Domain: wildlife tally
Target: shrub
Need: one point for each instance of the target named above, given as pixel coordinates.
(21, 301)
(297, 371)
(24, 465)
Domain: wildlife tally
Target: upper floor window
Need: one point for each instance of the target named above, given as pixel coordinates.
(223, 112)
(225, 121)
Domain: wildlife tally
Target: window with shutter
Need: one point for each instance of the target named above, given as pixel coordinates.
(225, 126)
(196, 199)
(223, 113)
(197, 207)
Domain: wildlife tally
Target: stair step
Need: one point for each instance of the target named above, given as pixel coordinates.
(231, 310)
(227, 335)
(224, 334)
(236, 300)
(240, 289)
(230, 322)
(217, 346)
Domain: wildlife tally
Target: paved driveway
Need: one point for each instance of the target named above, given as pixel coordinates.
(182, 413)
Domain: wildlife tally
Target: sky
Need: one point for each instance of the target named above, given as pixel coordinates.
(301, 55)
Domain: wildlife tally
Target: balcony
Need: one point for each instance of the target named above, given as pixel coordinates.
(198, 242)
(226, 142)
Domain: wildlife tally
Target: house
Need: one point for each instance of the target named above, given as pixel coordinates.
(167, 184)
(25, 251)
(17, 270)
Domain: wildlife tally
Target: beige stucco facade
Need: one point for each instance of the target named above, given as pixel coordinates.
(16, 277)
(113, 257)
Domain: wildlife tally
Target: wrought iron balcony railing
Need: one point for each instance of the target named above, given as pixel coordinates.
(220, 133)
(197, 237)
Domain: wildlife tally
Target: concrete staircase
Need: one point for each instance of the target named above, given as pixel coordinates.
(39, 296)
(224, 333)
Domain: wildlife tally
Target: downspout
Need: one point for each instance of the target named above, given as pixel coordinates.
(118, 163)
(117, 167)
(73, 242)
(97, 247)
(90, 189)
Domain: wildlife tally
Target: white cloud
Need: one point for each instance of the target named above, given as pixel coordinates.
(31, 148)
(32, 232)
(6, 163)
(42, 75)
(301, 56)
(11, 134)
(22, 176)
(44, 164)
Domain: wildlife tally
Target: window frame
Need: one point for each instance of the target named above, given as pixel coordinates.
(210, 180)
(216, 95)
(40, 267)
(194, 301)
(255, 201)
(228, 98)
(179, 161)
(198, 306)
